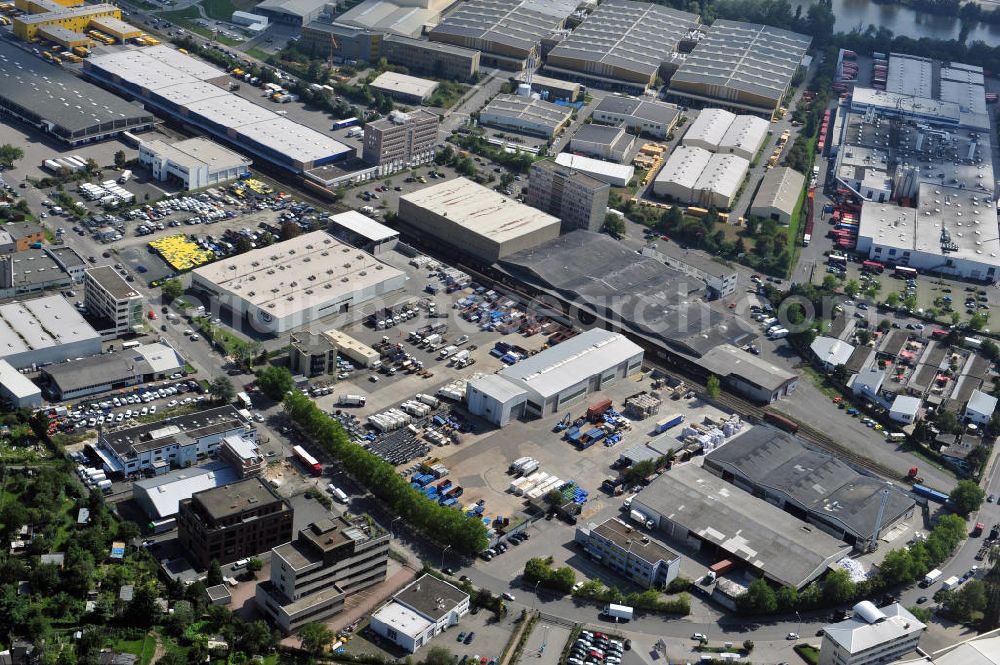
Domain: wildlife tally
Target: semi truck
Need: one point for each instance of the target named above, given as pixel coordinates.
(618, 612)
(930, 578)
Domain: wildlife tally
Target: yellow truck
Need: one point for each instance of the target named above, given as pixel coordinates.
(46, 55)
(81, 51)
(72, 57)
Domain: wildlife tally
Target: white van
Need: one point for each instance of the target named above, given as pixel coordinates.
(338, 494)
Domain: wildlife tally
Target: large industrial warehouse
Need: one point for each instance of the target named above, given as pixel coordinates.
(691, 506)
(52, 100)
(182, 86)
(295, 282)
(623, 45)
(742, 66)
(44, 330)
(507, 32)
(556, 377)
(525, 115)
(718, 130)
(694, 175)
(812, 485)
(476, 219)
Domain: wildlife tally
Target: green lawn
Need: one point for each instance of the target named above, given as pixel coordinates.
(143, 648)
(810, 654)
(223, 9)
(188, 17)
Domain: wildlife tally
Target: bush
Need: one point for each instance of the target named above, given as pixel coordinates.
(540, 571)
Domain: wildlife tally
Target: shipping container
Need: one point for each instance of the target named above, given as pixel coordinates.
(668, 422)
(597, 409)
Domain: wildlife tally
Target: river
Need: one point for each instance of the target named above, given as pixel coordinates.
(904, 21)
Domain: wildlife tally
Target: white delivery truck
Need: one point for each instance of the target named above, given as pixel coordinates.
(641, 518)
(930, 578)
(124, 177)
(351, 400)
(337, 493)
(950, 583)
(243, 400)
(618, 612)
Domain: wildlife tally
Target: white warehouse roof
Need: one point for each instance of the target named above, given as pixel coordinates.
(745, 134)
(684, 166)
(709, 127)
(871, 627)
(165, 492)
(723, 175)
(364, 226)
(609, 172)
(16, 383)
(568, 363)
(831, 350)
(31, 325)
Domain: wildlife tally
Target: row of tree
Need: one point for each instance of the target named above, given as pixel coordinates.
(900, 566)
(443, 525)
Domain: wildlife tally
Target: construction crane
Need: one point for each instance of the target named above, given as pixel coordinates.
(334, 47)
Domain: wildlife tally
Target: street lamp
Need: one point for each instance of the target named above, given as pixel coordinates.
(534, 597)
(446, 548)
(392, 524)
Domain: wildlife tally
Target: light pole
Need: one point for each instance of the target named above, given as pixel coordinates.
(798, 622)
(446, 548)
(534, 596)
(392, 524)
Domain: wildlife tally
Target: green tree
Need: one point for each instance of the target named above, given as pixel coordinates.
(748, 647)
(713, 387)
(967, 497)
(221, 389)
(172, 289)
(10, 154)
(838, 587)
(978, 320)
(120, 159)
(275, 382)
(315, 637)
(614, 225)
(254, 565)
(759, 598)
(892, 300)
(289, 230)
(852, 288)
(214, 575)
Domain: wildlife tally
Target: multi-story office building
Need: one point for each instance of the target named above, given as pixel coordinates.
(233, 522)
(312, 354)
(243, 455)
(630, 552)
(401, 140)
(578, 200)
(871, 637)
(435, 58)
(113, 300)
(312, 575)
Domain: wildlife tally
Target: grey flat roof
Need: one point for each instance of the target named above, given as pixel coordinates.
(634, 36)
(728, 360)
(780, 189)
(227, 500)
(744, 57)
(600, 134)
(109, 279)
(51, 93)
(431, 597)
(514, 24)
(834, 492)
(624, 536)
(641, 109)
(166, 492)
(190, 426)
(784, 548)
(389, 17)
(436, 46)
(300, 8)
(32, 267)
(514, 108)
(41, 323)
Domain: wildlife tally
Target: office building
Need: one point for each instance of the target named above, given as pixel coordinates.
(196, 93)
(980, 408)
(778, 194)
(312, 575)
(623, 45)
(116, 307)
(628, 551)
(193, 163)
(424, 608)
(403, 88)
(297, 281)
(720, 279)
(741, 66)
(579, 201)
(233, 522)
(506, 32)
(16, 391)
(112, 371)
(178, 441)
(401, 140)
(312, 354)
(341, 42)
(243, 455)
(431, 58)
(525, 115)
(873, 636)
(602, 142)
(475, 219)
(38, 269)
(639, 116)
(44, 330)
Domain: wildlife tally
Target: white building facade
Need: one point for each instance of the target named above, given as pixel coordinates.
(195, 163)
(873, 636)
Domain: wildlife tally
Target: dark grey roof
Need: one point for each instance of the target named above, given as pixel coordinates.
(111, 368)
(18, 230)
(517, 25)
(229, 500)
(431, 597)
(781, 464)
(641, 109)
(633, 36)
(46, 92)
(742, 57)
(643, 294)
(30, 268)
(111, 281)
(600, 134)
(191, 426)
